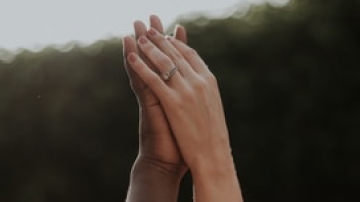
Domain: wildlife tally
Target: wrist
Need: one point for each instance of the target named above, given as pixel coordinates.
(216, 170)
(219, 166)
(151, 180)
(214, 159)
(156, 166)
(215, 180)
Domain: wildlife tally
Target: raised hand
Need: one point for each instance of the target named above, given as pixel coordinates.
(192, 104)
(157, 144)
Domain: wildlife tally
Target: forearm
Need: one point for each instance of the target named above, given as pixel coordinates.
(216, 181)
(153, 181)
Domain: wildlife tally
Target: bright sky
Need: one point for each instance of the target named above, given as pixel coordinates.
(37, 23)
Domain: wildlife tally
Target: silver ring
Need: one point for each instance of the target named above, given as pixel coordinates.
(167, 75)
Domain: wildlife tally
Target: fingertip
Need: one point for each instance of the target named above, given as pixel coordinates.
(129, 44)
(126, 39)
(140, 28)
(180, 28)
(154, 17)
(137, 23)
(155, 22)
(180, 33)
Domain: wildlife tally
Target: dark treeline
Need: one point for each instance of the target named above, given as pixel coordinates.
(289, 78)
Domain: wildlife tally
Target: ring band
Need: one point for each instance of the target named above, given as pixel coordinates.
(167, 75)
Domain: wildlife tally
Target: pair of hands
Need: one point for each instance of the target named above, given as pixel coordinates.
(182, 123)
(182, 117)
(157, 142)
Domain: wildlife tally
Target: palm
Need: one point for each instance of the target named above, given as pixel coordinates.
(156, 139)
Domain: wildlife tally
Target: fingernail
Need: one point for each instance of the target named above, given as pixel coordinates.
(152, 32)
(168, 38)
(142, 40)
(132, 57)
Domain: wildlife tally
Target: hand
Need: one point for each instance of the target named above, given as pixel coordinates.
(192, 104)
(157, 144)
(190, 98)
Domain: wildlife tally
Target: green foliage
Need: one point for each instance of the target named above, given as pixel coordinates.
(289, 78)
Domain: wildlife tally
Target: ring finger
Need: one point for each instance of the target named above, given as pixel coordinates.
(162, 62)
(165, 46)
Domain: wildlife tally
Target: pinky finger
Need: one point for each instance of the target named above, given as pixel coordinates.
(155, 83)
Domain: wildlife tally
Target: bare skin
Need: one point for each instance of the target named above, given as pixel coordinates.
(192, 106)
(159, 167)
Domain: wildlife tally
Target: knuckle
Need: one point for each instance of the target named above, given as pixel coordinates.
(190, 52)
(178, 102)
(210, 77)
(157, 38)
(163, 61)
(199, 85)
(176, 57)
(188, 96)
(147, 49)
(153, 81)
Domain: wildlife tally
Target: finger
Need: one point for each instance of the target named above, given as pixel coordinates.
(180, 34)
(161, 61)
(155, 23)
(140, 29)
(190, 55)
(166, 47)
(155, 83)
(129, 45)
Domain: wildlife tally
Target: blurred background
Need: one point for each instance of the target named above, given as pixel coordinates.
(289, 76)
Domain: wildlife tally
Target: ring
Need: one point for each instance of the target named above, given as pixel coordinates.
(167, 75)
